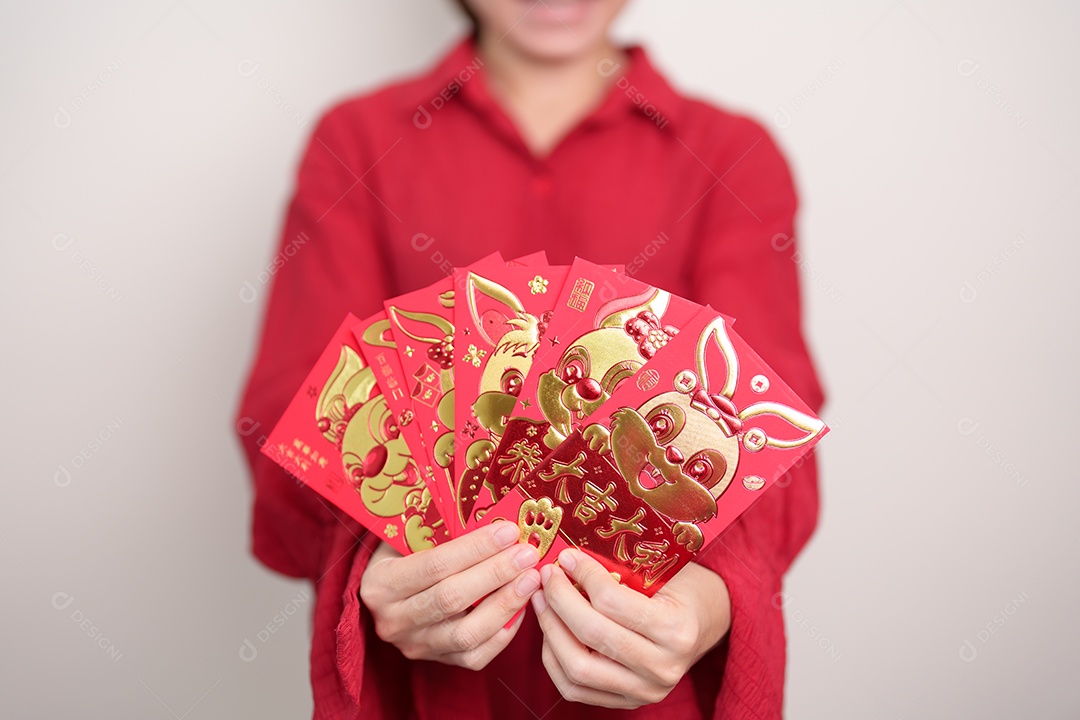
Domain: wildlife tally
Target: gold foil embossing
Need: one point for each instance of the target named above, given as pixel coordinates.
(538, 521)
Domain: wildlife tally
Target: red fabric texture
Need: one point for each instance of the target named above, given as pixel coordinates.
(398, 185)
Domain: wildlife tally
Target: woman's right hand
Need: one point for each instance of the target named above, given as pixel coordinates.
(423, 603)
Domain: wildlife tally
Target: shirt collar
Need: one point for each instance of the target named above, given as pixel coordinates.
(637, 89)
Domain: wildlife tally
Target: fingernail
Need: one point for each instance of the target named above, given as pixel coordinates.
(506, 534)
(526, 556)
(528, 584)
(539, 602)
(545, 573)
(567, 560)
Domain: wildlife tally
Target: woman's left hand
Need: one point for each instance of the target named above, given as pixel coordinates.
(619, 648)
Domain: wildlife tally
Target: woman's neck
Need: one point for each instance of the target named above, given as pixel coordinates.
(546, 99)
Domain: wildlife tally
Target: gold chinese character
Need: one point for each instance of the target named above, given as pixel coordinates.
(557, 469)
(521, 459)
(579, 295)
(652, 556)
(620, 526)
(595, 502)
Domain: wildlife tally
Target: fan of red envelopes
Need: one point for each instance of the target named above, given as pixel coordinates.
(589, 408)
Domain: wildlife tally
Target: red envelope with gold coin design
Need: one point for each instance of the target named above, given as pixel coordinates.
(669, 461)
(339, 437)
(590, 408)
(379, 349)
(501, 317)
(604, 328)
(422, 324)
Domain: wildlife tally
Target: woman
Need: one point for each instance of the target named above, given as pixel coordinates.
(536, 133)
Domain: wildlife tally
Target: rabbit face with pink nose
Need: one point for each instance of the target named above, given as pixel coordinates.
(679, 450)
(626, 334)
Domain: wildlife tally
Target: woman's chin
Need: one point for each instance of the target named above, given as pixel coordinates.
(569, 14)
(559, 30)
(555, 46)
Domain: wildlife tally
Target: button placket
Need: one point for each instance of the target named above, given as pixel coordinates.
(542, 184)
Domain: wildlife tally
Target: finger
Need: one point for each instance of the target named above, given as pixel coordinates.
(625, 606)
(478, 658)
(580, 675)
(591, 627)
(383, 552)
(420, 571)
(462, 590)
(581, 693)
(474, 629)
(372, 587)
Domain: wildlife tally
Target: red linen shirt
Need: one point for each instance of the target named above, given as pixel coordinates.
(397, 186)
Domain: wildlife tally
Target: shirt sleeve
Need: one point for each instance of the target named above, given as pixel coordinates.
(328, 264)
(748, 267)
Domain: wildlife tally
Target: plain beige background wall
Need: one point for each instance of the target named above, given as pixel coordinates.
(147, 152)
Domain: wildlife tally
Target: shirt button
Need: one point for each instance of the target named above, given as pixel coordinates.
(541, 185)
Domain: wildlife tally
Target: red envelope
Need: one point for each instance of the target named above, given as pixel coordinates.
(379, 349)
(422, 323)
(340, 437)
(605, 327)
(501, 316)
(537, 258)
(669, 461)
